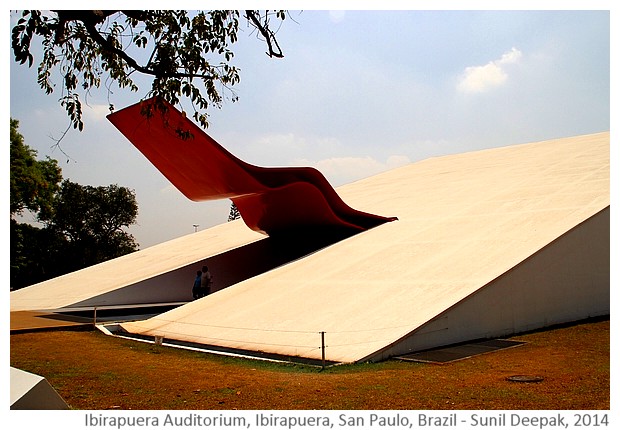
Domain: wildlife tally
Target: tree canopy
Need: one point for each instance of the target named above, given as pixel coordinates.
(82, 225)
(33, 182)
(91, 221)
(234, 212)
(187, 53)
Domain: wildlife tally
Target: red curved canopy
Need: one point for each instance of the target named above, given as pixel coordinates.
(270, 200)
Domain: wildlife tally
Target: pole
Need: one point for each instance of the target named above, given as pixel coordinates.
(323, 349)
(95, 315)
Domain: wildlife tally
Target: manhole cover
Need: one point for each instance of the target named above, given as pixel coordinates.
(525, 378)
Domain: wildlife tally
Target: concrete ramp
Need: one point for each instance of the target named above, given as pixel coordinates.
(487, 243)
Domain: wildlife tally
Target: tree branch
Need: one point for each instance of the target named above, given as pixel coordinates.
(105, 44)
(91, 18)
(86, 16)
(269, 35)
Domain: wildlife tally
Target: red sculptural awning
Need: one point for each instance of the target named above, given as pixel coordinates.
(270, 200)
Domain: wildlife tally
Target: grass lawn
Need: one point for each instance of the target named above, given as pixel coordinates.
(93, 371)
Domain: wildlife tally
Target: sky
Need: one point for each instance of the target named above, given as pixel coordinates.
(357, 93)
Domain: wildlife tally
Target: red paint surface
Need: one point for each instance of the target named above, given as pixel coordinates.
(271, 200)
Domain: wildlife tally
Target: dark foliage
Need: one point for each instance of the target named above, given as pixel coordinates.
(82, 225)
(186, 53)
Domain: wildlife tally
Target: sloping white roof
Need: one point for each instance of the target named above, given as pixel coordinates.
(132, 268)
(463, 221)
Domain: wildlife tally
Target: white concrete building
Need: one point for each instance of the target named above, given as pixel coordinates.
(487, 244)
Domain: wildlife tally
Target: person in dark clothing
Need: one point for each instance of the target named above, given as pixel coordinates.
(196, 289)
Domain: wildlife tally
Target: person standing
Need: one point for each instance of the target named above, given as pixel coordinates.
(205, 281)
(197, 288)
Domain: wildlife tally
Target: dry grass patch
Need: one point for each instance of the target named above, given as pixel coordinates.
(93, 371)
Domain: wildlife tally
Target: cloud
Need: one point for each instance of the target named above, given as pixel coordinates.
(512, 56)
(479, 79)
(343, 170)
(169, 189)
(272, 149)
(94, 112)
(336, 16)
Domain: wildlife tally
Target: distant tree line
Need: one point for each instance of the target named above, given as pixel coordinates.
(81, 225)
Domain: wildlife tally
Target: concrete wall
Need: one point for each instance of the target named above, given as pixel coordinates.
(566, 281)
